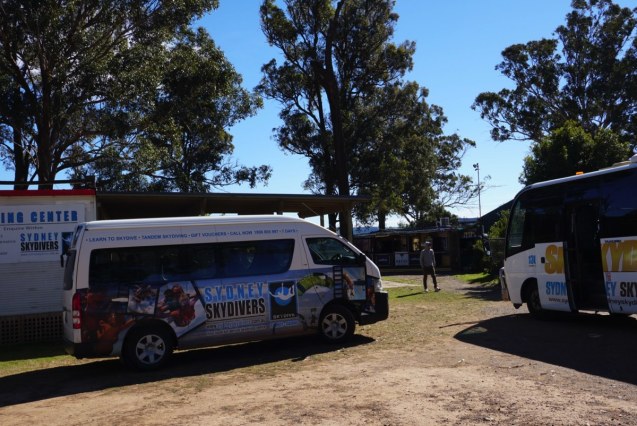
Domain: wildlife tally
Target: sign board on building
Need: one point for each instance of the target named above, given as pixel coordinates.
(34, 228)
(37, 233)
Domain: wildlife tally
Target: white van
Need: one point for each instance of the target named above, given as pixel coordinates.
(140, 288)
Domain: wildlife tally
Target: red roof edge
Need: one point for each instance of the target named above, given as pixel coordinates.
(45, 192)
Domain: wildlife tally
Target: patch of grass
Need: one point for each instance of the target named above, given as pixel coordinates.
(479, 278)
(33, 356)
(417, 318)
(415, 279)
(416, 295)
(31, 351)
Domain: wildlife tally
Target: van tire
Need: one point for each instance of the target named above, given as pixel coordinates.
(147, 348)
(337, 324)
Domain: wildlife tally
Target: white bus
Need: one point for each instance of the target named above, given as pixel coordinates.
(140, 288)
(571, 243)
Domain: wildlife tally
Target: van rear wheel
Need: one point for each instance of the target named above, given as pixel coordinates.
(147, 348)
(337, 324)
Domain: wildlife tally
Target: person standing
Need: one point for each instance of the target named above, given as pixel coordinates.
(428, 264)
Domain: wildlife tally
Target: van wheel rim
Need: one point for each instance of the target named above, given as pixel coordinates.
(150, 349)
(334, 326)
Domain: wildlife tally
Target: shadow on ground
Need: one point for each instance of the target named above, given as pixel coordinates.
(600, 345)
(105, 374)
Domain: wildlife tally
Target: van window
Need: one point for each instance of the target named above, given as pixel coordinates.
(330, 251)
(257, 257)
(131, 265)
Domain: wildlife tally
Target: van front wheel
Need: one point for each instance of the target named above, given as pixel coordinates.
(337, 324)
(147, 348)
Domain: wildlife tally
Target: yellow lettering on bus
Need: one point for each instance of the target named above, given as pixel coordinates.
(554, 260)
(615, 251)
(629, 259)
(623, 256)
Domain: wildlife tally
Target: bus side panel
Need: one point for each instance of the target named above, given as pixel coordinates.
(551, 277)
(518, 268)
(619, 262)
(544, 263)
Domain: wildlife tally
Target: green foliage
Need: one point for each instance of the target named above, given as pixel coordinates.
(478, 278)
(122, 90)
(490, 259)
(572, 95)
(200, 97)
(499, 227)
(484, 261)
(571, 149)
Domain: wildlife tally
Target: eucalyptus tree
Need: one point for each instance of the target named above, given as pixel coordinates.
(63, 74)
(123, 90)
(403, 159)
(345, 104)
(198, 99)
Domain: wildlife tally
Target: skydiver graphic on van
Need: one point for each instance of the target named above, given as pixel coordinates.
(284, 293)
(178, 306)
(108, 332)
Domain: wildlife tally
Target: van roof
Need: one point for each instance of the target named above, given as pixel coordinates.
(192, 221)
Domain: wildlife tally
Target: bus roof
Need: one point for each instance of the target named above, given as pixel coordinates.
(192, 221)
(625, 165)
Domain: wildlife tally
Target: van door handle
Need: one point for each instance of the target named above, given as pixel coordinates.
(542, 260)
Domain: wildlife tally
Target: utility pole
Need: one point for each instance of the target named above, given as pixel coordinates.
(476, 167)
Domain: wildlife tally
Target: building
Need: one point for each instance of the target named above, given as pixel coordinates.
(399, 249)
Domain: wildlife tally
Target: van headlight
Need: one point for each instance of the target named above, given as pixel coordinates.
(378, 284)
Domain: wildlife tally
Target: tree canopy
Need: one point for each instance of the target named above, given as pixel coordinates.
(586, 75)
(87, 86)
(347, 108)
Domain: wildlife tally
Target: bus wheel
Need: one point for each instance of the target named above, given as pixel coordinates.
(533, 302)
(337, 324)
(147, 348)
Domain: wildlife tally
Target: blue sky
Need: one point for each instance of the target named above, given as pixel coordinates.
(458, 45)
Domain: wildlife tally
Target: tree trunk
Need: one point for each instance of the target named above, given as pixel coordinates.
(381, 221)
(331, 87)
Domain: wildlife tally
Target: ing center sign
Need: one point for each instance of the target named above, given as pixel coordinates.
(37, 233)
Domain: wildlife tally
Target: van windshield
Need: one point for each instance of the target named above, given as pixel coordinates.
(330, 251)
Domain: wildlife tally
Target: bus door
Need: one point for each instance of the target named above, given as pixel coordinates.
(546, 254)
(551, 278)
(583, 256)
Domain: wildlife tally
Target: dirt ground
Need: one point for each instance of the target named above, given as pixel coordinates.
(482, 362)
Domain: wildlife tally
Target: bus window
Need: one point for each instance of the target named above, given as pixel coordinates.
(517, 224)
(536, 217)
(620, 210)
(547, 220)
